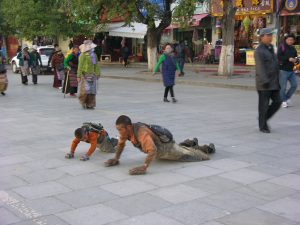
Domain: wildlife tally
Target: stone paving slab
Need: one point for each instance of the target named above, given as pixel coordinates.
(253, 178)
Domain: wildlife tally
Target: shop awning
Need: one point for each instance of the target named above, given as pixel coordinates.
(136, 30)
(197, 18)
(194, 22)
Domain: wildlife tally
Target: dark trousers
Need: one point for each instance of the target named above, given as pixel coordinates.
(265, 110)
(125, 60)
(167, 89)
(34, 78)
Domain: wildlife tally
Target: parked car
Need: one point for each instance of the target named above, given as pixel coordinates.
(44, 51)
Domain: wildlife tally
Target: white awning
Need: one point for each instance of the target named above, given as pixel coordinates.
(136, 30)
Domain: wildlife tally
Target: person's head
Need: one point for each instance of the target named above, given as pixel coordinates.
(168, 49)
(266, 35)
(289, 39)
(124, 125)
(55, 45)
(75, 49)
(81, 134)
(34, 48)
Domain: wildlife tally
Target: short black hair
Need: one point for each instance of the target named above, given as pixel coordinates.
(123, 120)
(290, 36)
(55, 45)
(78, 133)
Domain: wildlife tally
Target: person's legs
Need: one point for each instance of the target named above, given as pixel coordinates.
(181, 64)
(263, 106)
(275, 105)
(283, 77)
(292, 78)
(166, 94)
(34, 78)
(172, 94)
(172, 151)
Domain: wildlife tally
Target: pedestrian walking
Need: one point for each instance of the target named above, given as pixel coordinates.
(36, 64)
(157, 142)
(56, 47)
(287, 57)
(58, 68)
(125, 54)
(71, 64)
(88, 73)
(267, 79)
(181, 54)
(169, 66)
(25, 63)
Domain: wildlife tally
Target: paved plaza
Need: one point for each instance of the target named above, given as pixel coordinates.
(252, 179)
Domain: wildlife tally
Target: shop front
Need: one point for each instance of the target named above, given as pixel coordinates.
(251, 16)
(290, 20)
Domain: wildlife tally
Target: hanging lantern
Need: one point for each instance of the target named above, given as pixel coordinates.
(246, 23)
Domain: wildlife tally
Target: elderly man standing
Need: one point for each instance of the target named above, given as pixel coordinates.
(267, 79)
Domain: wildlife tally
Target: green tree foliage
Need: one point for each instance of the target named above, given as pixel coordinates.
(32, 18)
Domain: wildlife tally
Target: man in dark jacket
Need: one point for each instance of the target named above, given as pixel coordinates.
(267, 79)
(287, 57)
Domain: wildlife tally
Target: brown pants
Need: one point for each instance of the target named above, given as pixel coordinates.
(172, 151)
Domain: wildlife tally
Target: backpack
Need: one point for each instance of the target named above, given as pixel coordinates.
(164, 135)
(92, 127)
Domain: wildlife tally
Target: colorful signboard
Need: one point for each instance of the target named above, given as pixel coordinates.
(244, 7)
(291, 7)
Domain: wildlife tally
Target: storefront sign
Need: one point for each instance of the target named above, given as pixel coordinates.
(291, 7)
(244, 7)
(250, 58)
(202, 7)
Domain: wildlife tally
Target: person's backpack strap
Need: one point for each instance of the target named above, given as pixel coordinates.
(93, 127)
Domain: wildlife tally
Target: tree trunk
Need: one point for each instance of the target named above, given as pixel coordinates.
(227, 53)
(5, 46)
(152, 42)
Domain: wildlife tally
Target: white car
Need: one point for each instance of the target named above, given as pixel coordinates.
(44, 51)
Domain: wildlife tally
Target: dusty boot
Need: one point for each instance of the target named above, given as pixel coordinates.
(174, 100)
(189, 142)
(212, 148)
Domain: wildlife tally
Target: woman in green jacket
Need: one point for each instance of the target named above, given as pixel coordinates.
(88, 73)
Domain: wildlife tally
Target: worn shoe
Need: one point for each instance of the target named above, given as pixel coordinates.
(69, 156)
(212, 148)
(174, 100)
(284, 104)
(2, 93)
(166, 100)
(265, 130)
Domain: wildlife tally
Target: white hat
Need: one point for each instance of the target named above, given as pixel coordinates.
(34, 47)
(87, 46)
(24, 46)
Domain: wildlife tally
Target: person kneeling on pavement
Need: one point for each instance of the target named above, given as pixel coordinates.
(94, 134)
(157, 142)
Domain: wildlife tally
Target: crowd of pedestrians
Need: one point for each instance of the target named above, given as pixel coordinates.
(276, 81)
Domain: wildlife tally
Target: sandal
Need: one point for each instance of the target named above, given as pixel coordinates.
(84, 158)
(69, 156)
